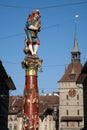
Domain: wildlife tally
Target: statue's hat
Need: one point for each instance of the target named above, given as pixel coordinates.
(36, 11)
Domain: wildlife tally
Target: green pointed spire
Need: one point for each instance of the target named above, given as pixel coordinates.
(75, 48)
(75, 54)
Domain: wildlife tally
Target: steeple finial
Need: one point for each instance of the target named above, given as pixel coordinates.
(76, 19)
(75, 52)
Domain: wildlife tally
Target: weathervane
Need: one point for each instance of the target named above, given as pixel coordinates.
(76, 19)
(76, 16)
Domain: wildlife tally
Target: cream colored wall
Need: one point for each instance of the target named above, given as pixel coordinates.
(12, 121)
(47, 124)
(72, 104)
(20, 124)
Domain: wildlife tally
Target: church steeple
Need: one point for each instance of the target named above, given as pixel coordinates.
(75, 53)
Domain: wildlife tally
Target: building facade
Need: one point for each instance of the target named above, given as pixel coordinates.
(6, 84)
(48, 115)
(82, 79)
(15, 117)
(71, 116)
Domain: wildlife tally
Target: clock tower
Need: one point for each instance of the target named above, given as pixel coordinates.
(71, 94)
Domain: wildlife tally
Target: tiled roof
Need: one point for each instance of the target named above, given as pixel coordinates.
(15, 104)
(45, 102)
(73, 69)
(83, 75)
(5, 78)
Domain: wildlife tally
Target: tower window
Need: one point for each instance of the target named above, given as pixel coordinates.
(67, 123)
(77, 112)
(67, 97)
(77, 103)
(77, 97)
(72, 76)
(67, 112)
(78, 123)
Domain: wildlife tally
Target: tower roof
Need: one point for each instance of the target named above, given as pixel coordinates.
(74, 68)
(7, 80)
(72, 72)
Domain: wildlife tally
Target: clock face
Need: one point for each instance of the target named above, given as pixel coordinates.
(72, 92)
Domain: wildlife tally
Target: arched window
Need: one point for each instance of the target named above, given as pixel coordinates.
(10, 126)
(15, 126)
(15, 117)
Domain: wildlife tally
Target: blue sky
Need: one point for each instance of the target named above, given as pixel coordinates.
(56, 37)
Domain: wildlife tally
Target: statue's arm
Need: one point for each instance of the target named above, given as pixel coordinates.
(33, 27)
(30, 26)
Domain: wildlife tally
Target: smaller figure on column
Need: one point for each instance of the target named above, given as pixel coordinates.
(33, 26)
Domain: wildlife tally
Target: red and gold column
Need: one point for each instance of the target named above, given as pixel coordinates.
(31, 94)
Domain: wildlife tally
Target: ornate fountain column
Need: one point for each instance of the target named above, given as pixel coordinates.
(31, 94)
(31, 64)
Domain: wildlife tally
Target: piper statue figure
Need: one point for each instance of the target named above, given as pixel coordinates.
(32, 27)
